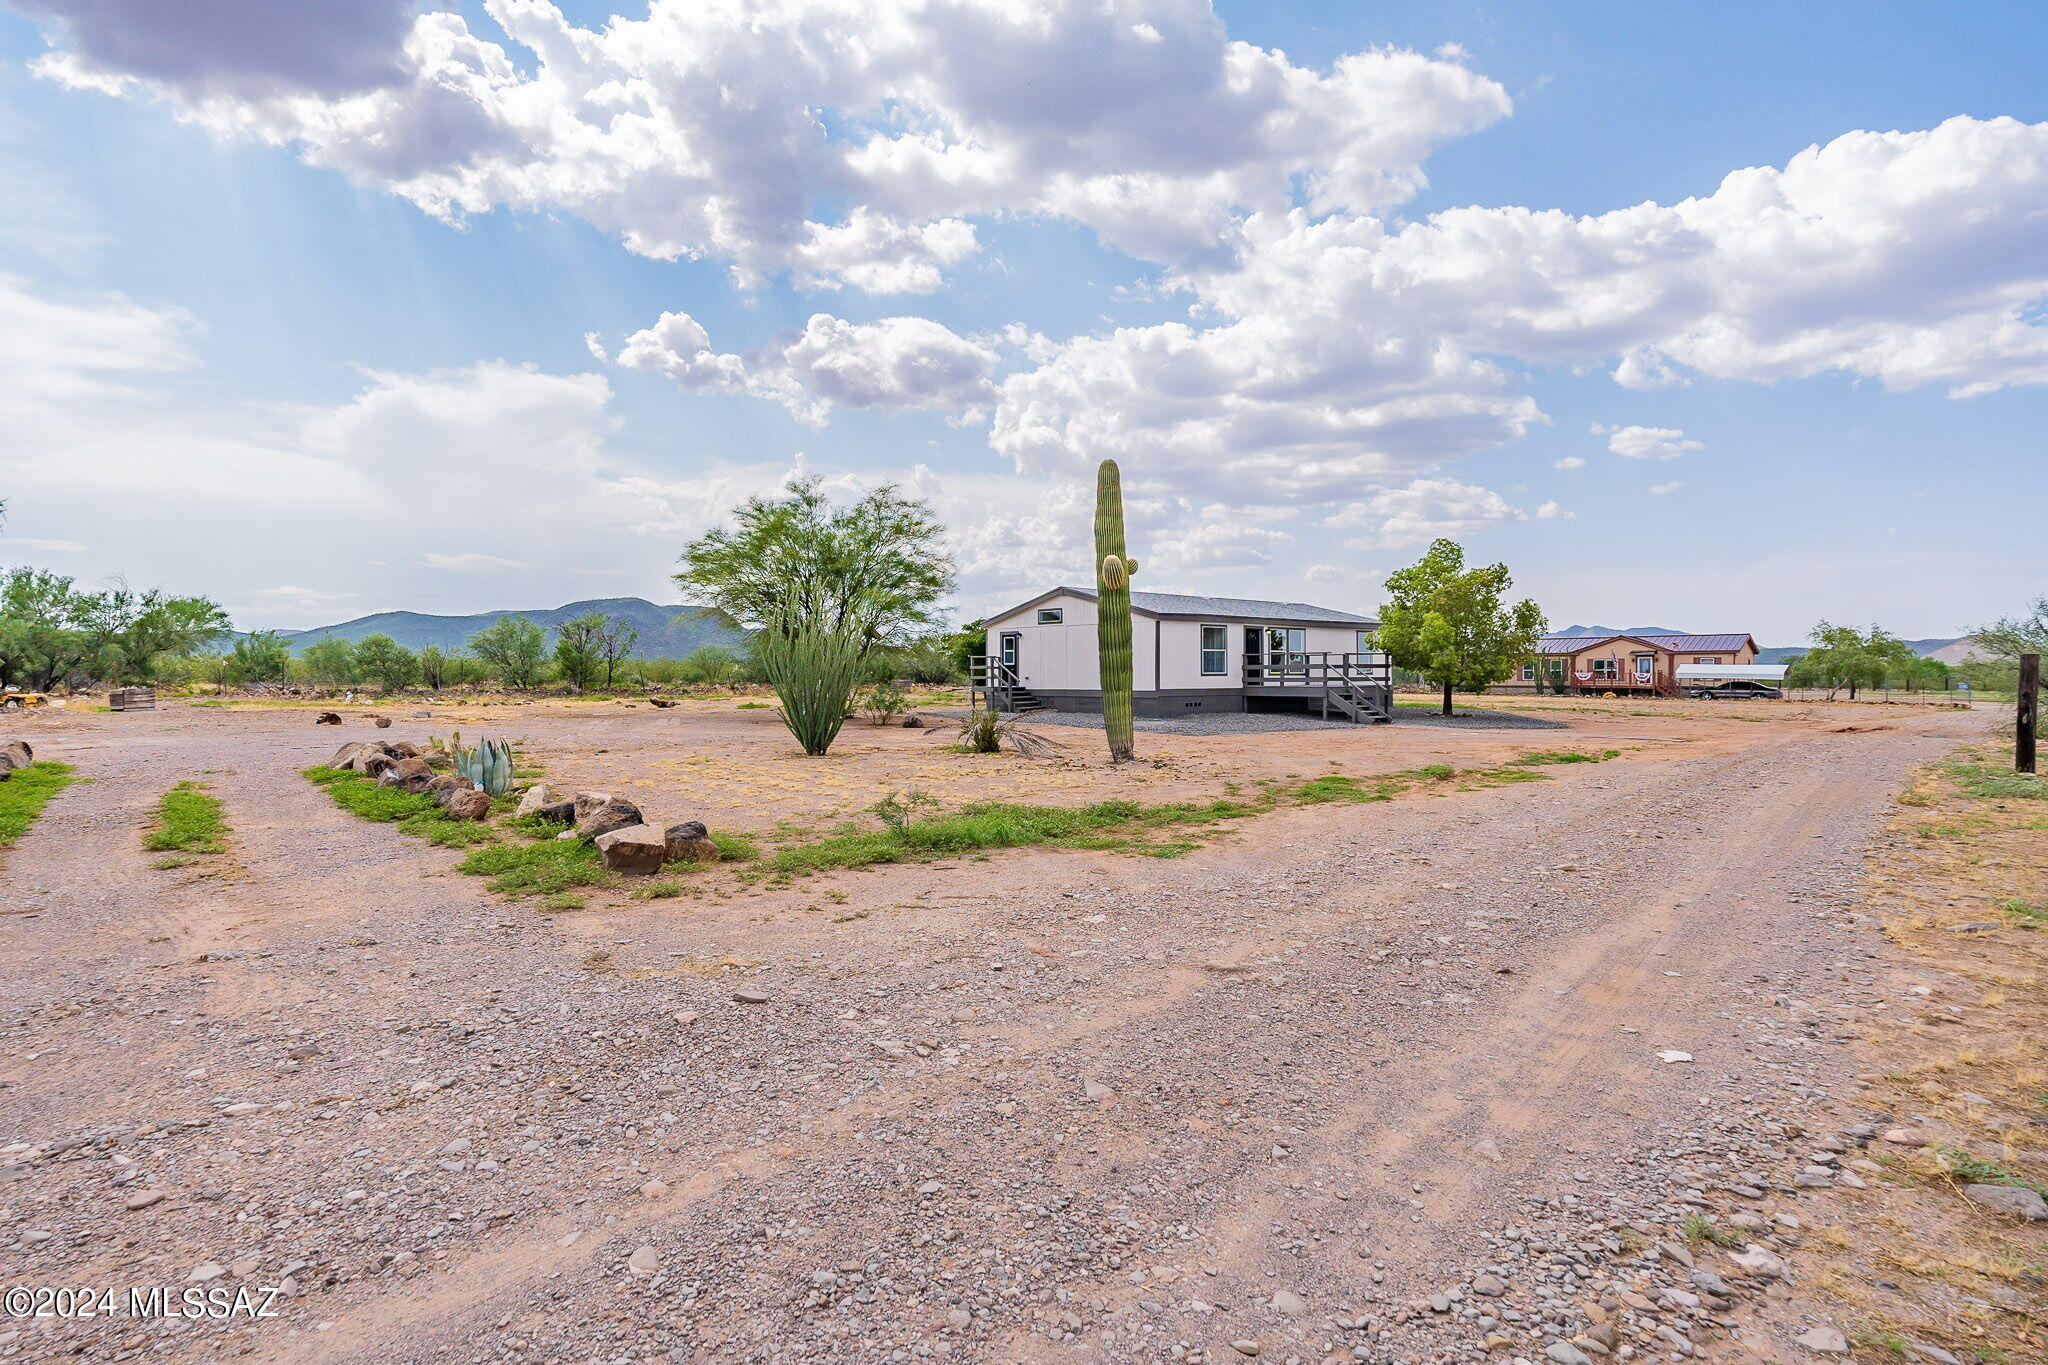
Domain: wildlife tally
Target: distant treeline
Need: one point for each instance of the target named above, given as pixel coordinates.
(590, 653)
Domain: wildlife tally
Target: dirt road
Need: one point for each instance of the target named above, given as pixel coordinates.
(1268, 1099)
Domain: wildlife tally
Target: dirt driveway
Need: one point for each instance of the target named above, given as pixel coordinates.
(1384, 1082)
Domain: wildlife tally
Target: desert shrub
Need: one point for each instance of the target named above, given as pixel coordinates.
(883, 703)
(984, 732)
(813, 670)
(709, 666)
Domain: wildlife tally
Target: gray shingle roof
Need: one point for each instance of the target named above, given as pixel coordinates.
(1189, 604)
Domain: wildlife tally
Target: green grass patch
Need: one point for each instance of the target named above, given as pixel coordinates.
(753, 706)
(188, 820)
(1336, 787)
(413, 813)
(23, 796)
(1967, 1168)
(660, 889)
(735, 848)
(1549, 756)
(171, 860)
(2032, 914)
(1111, 825)
(1988, 782)
(550, 868)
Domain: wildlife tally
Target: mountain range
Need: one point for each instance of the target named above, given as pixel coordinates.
(665, 632)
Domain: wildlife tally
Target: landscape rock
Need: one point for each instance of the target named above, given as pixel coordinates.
(373, 762)
(345, 754)
(533, 799)
(14, 756)
(560, 813)
(2020, 1203)
(636, 848)
(327, 718)
(383, 722)
(587, 802)
(445, 785)
(690, 842)
(472, 804)
(913, 722)
(1826, 1340)
(643, 1262)
(608, 817)
(413, 774)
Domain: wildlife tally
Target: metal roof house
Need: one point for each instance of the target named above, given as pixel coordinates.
(1189, 653)
(1645, 664)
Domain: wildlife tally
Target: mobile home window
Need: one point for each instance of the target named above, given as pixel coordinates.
(1051, 616)
(1605, 668)
(1215, 651)
(1528, 673)
(1364, 644)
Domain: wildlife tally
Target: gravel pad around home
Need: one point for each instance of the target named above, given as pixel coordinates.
(1269, 722)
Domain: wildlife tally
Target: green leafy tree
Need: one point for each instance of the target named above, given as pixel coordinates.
(579, 646)
(616, 645)
(710, 665)
(1843, 656)
(51, 633)
(822, 588)
(513, 648)
(1453, 625)
(872, 571)
(2011, 636)
(384, 661)
(329, 661)
(433, 666)
(260, 658)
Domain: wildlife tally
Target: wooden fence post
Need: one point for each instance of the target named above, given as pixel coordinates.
(2026, 713)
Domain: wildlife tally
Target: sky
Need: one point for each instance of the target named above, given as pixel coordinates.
(1711, 318)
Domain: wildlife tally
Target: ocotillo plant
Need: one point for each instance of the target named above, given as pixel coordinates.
(1113, 610)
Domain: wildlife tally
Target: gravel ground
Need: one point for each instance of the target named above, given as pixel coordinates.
(1423, 1081)
(1267, 722)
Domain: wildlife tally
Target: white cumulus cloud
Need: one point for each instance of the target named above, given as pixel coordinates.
(1647, 443)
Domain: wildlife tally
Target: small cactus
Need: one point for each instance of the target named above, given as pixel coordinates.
(1113, 611)
(488, 765)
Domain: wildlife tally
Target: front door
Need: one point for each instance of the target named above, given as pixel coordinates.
(1012, 648)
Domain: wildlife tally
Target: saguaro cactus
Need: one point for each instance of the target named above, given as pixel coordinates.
(1113, 610)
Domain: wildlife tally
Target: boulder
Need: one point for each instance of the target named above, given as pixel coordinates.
(373, 762)
(913, 722)
(2012, 1199)
(608, 817)
(389, 777)
(14, 756)
(663, 702)
(345, 753)
(444, 785)
(560, 813)
(383, 722)
(402, 749)
(473, 803)
(327, 718)
(438, 759)
(534, 797)
(413, 774)
(635, 848)
(690, 842)
(587, 802)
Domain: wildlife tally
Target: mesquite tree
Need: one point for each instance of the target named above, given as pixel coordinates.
(1453, 625)
(1113, 610)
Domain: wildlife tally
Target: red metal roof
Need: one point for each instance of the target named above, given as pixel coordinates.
(1677, 644)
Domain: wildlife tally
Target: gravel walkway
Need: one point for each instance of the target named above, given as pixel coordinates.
(1265, 722)
(1390, 1082)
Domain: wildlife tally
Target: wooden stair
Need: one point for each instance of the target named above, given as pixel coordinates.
(1362, 703)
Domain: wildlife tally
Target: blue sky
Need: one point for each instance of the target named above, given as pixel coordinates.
(251, 350)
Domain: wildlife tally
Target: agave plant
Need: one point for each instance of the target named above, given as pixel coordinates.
(488, 764)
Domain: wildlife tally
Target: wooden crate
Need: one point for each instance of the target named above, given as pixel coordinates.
(132, 699)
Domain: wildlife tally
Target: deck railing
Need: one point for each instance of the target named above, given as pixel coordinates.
(1293, 669)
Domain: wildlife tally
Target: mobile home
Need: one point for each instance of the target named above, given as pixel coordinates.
(1189, 654)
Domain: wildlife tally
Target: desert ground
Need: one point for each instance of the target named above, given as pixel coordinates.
(1435, 1078)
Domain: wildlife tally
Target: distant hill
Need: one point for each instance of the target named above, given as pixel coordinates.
(665, 632)
(1619, 630)
(1950, 651)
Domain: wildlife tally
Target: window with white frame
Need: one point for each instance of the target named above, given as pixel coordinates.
(1364, 642)
(1215, 651)
(1051, 616)
(1528, 673)
(1606, 668)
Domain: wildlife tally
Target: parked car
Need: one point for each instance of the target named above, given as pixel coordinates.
(1735, 689)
